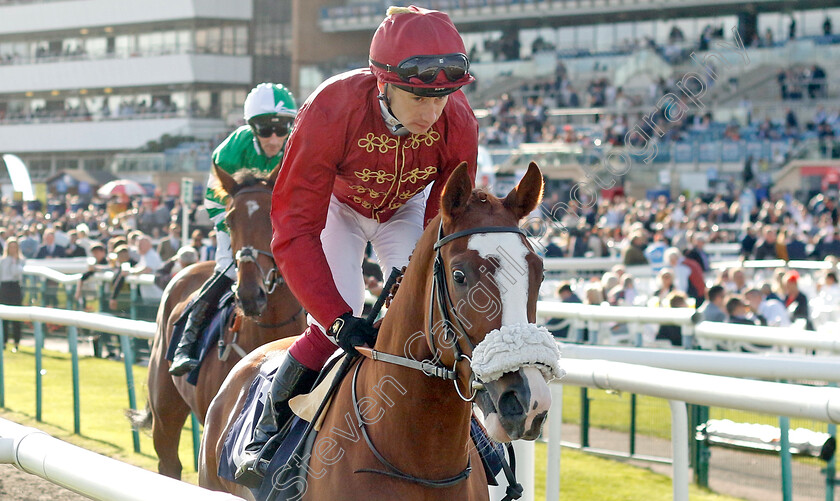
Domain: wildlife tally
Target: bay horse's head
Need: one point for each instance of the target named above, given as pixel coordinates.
(248, 205)
(484, 292)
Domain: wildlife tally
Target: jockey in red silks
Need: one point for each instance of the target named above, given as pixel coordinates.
(365, 146)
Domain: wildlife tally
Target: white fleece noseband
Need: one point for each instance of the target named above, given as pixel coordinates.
(514, 346)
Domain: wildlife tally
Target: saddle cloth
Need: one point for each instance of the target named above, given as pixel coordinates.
(282, 481)
(210, 336)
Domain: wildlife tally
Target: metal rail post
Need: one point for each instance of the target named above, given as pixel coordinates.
(555, 426)
(128, 357)
(2, 367)
(831, 465)
(784, 444)
(584, 417)
(196, 439)
(39, 391)
(73, 342)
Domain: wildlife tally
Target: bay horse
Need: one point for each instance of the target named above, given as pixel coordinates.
(460, 328)
(269, 309)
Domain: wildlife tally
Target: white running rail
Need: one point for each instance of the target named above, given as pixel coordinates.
(90, 474)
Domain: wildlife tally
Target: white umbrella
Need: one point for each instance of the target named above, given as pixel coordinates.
(121, 187)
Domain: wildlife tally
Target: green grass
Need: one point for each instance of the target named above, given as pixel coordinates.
(104, 398)
(584, 476)
(611, 410)
(105, 430)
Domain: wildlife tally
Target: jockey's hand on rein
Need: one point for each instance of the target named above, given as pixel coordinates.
(352, 331)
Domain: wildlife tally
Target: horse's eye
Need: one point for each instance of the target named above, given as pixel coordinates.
(459, 276)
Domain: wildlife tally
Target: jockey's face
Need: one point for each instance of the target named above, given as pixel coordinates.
(416, 113)
(272, 145)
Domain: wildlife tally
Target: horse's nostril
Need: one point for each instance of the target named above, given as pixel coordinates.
(509, 405)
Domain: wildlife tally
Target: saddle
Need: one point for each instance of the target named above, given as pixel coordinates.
(222, 316)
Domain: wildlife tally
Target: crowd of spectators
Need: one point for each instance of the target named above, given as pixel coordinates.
(78, 110)
(798, 82)
(666, 242)
(667, 238)
(139, 236)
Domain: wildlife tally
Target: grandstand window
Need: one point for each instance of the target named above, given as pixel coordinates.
(241, 41)
(169, 42)
(227, 40)
(96, 47)
(39, 168)
(66, 164)
(179, 100)
(565, 38)
(183, 41)
(214, 40)
(126, 45)
(151, 43)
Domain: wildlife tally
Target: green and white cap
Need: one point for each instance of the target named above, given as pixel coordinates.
(270, 99)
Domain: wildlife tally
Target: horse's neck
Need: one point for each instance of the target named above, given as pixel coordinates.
(421, 417)
(282, 311)
(432, 415)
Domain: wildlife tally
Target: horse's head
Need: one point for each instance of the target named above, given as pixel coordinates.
(484, 297)
(248, 206)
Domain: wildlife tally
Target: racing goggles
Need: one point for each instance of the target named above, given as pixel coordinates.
(266, 129)
(426, 68)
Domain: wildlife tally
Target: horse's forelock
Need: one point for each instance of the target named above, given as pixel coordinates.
(483, 203)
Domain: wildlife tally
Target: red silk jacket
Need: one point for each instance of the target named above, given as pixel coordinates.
(341, 146)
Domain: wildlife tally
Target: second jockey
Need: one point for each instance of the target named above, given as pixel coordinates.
(269, 112)
(366, 145)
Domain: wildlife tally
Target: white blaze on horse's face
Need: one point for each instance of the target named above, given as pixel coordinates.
(523, 397)
(511, 276)
(253, 207)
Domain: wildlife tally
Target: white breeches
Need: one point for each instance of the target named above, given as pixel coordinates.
(224, 255)
(346, 235)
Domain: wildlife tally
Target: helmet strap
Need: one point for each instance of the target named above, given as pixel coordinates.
(388, 116)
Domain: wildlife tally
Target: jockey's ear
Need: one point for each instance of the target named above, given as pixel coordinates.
(457, 192)
(225, 179)
(527, 194)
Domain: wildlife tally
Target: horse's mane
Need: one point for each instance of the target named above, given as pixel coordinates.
(244, 178)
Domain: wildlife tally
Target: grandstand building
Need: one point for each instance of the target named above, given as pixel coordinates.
(85, 84)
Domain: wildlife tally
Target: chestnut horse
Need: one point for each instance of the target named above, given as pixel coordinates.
(270, 312)
(460, 327)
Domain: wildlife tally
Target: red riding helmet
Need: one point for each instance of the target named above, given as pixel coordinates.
(420, 51)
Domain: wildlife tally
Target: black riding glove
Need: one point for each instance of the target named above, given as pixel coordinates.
(352, 331)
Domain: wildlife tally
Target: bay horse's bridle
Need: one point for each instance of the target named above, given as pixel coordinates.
(249, 254)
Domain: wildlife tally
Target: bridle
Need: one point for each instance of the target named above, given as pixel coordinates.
(442, 303)
(272, 279)
(249, 254)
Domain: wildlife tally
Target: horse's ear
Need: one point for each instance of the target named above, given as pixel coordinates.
(527, 194)
(457, 192)
(226, 180)
(272, 178)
